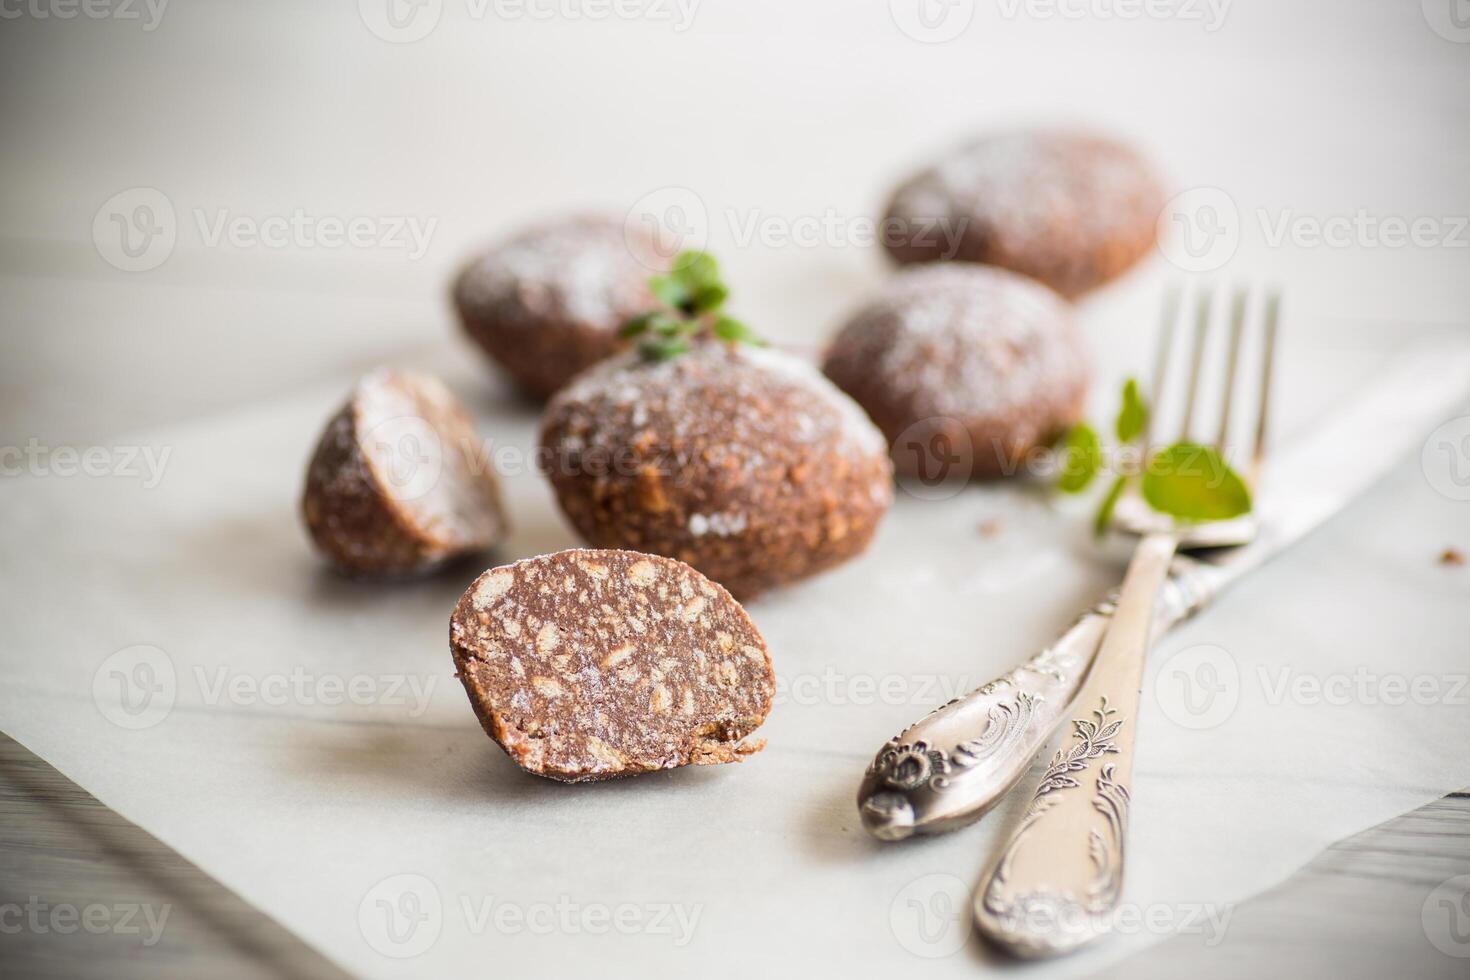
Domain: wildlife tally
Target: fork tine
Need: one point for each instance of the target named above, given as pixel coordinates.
(1237, 325)
(1201, 331)
(1169, 317)
(1268, 367)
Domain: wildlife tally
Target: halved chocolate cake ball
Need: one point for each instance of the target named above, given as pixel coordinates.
(965, 368)
(589, 665)
(744, 462)
(395, 485)
(548, 303)
(1071, 209)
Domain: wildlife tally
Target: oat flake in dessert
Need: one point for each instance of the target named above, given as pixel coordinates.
(744, 462)
(587, 665)
(395, 486)
(965, 368)
(1071, 209)
(549, 302)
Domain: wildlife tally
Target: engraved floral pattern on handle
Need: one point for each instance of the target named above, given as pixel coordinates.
(1058, 880)
(907, 767)
(949, 768)
(1045, 910)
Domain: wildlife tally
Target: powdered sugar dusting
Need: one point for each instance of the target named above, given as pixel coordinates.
(625, 393)
(1017, 187)
(747, 464)
(965, 341)
(853, 425)
(579, 270)
(722, 525)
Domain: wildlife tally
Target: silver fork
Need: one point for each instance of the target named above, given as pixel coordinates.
(1057, 882)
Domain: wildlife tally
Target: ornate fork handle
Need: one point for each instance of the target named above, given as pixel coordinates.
(1057, 882)
(949, 768)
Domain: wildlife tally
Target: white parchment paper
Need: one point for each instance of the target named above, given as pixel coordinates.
(178, 651)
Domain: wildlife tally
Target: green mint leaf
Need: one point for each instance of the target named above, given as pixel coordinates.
(1194, 483)
(663, 348)
(1104, 515)
(729, 329)
(1133, 415)
(638, 325)
(1081, 459)
(708, 298)
(732, 331)
(692, 284)
(695, 269)
(670, 291)
(692, 295)
(657, 322)
(671, 326)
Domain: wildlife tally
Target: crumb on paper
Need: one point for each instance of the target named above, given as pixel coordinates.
(1453, 557)
(990, 527)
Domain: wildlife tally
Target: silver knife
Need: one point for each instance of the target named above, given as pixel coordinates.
(949, 768)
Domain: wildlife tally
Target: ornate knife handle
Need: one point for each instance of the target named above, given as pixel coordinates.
(949, 768)
(1057, 882)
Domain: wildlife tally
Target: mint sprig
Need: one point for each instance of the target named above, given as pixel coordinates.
(1187, 481)
(1133, 414)
(693, 295)
(1104, 515)
(1194, 482)
(1081, 458)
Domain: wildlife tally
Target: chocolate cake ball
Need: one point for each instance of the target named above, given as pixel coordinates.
(591, 665)
(1070, 209)
(744, 462)
(965, 368)
(395, 486)
(548, 303)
